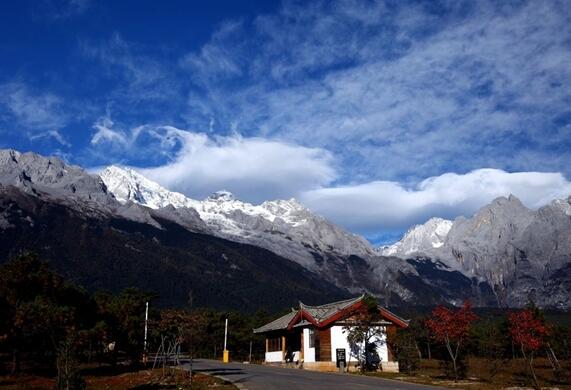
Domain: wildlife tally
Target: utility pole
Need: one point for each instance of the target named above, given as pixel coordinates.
(146, 327)
(226, 354)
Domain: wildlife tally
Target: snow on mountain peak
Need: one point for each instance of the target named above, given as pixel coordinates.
(283, 226)
(222, 196)
(427, 236)
(283, 208)
(129, 185)
(563, 204)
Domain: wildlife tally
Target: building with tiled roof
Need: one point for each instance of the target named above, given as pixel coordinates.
(314, 337)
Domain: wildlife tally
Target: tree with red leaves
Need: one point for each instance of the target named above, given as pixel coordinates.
(529, 331)
(451, 327)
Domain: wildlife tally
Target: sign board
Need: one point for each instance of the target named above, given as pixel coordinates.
(340, 353)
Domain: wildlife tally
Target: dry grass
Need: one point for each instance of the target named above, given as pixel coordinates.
(484, 374)
(139, 380)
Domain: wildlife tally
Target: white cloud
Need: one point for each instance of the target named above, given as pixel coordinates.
(150, 143)
(106, 134)
(383, 205)
(198, 164)
(258, 169)
(255, 169)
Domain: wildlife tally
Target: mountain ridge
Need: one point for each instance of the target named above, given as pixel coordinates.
(497, 257)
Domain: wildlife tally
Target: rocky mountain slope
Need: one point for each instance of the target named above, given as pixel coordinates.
(70, 219)
(289, 229)
(523, 254)
(120, 229)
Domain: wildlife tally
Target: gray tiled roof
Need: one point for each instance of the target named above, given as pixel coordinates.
(280, 323)
(323, 312)
(320, 313)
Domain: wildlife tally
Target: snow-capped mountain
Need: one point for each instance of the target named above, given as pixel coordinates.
(486, 247)
(126, 184)
(292, 231)
(420, 238)
(73, 219)
(502, 255)
(285, 227)
(68, 218)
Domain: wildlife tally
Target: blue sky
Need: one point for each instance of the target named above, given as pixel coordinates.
(376, 114)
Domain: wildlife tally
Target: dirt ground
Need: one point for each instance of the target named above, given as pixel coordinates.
(486, 374)
(98, 379)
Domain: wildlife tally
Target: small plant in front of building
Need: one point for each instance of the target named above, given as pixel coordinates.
(365, 335)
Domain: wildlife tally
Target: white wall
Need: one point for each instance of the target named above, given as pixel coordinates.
(272, 357)
(308, 353)
(382, 349)
(339, 340)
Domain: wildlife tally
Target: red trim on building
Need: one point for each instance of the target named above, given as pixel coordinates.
(393, 318)
(342, 313)
(304, 315)
(301, 315)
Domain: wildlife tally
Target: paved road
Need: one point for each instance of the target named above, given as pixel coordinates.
(257, 377)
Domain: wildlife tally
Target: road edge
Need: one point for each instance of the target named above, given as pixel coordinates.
(240, 386)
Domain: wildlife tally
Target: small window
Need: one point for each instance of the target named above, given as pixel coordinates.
(274, 344)
(311, 338)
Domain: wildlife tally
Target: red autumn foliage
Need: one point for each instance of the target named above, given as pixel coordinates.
(451, 325)
(527, 330)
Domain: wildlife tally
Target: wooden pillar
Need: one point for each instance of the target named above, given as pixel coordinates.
(283, 347)
(391, 333)
(324, 345)
(267, 344)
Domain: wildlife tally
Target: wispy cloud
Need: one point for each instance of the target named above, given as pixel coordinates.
(399, 91)
(51, 134)
(215, 60)
(105, 134)
(61, 9)
(349, 105)
(139, 71)
(30, 108)
(150, 145)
